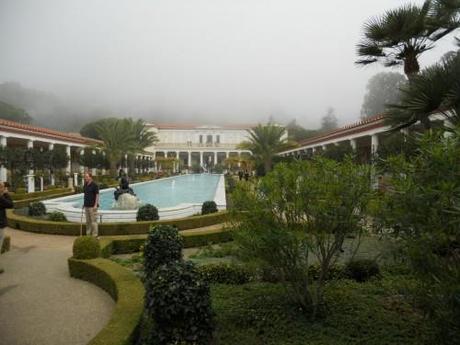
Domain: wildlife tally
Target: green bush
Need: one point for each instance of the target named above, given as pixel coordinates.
(147, 212)
(37, 209)
(208, 207)
(163, 245)
(361, 270)
(86, 247)
(103, 185)
(57, 217)
(224, 274)
(180, 304)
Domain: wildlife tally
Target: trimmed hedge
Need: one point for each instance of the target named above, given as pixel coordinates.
(27, 199)
(57, 216)
(86, 247)
(25, 223)
(37, 209)
(124, 287)
(191, 238)
(46, 193)
(6, 245)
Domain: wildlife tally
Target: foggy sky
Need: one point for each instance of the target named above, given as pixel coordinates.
(215, 61)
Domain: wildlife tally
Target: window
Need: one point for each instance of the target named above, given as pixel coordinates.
(209, 139)
(217, 139)
(201, 139)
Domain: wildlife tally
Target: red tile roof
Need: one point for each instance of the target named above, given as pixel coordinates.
(357, 127)
(16, 127)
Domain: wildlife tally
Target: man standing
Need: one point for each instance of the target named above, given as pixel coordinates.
(5, 202)
(91, 202)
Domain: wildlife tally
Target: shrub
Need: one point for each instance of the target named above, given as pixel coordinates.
(37, 209)
(180, 304)
(208, 207)
(147, 212)
(86, 247)
(361, 270)
(163, 245)
(78, 189)
(224, 274)
(57, 217)
(103, 185)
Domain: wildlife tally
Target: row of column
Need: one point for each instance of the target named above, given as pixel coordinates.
(189, 158)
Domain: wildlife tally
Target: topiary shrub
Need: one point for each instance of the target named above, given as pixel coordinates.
(361, 270)
(208, 207)
(147, 212)
(86, 247)
(179, 303)
(57, 217)
(224, 274)
(163, 245)
(37, 209)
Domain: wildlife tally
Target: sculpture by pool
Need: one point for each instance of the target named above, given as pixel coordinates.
(125, 198)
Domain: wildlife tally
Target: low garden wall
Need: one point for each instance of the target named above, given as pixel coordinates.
(127, 291)
(31, 224)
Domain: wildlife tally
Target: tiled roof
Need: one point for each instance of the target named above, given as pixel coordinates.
(360, 126)
(17, 127)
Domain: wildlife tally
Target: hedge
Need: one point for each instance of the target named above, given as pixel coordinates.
(24, 202)
(47, 193)
(30, 224)
(191, 238)
(6, 245)
(124, 287)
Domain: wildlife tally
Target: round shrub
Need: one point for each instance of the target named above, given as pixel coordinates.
(361, 270)
(163, 245)
(57, 217)
(209, 207)
(86, 247)
(224, 274)
(147, 212)
(180, 304)
(37, 209)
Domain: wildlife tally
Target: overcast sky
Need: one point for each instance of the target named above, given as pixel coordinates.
(215, 61)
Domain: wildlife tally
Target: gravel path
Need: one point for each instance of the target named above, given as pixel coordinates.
(39, 302)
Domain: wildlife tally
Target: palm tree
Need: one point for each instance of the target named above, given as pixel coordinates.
(401, 35)
(435, 89)
(124, 136)
(264, 142)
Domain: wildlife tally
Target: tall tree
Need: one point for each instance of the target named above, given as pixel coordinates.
(9, 112)
(329, 121)
(264, 142)
(435, 89)
(401, 35)
(297, 133)
(90, 130)
(382, 89)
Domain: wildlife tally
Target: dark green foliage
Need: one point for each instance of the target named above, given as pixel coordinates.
(6, 245)
(209, 207)
(124, 288)
(11, 113)
(224, 274)
(57, 217)
(103, 185)
(147, 212)
(86, 247)
(37, 209)
(338, 152)
(163, 245)
(179, 302)
(361, 270)
(230, 183)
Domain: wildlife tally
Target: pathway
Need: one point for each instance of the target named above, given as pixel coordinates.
(39, 302)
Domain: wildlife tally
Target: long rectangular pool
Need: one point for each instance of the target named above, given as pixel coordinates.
(175, 197)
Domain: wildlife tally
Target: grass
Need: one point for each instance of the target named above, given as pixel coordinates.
(373, 313)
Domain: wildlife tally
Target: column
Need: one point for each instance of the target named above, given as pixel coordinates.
(324, 147)
(125, 168)
(239, 159)
(353, 144)
(155, 168)
(52, 179)
(68, 169)
(31, 173)
(189, 159)
(313, 150)
(103, 166)
(201, 158)
(3, 169)
(374, 144)
(94, 170)
(215, 157)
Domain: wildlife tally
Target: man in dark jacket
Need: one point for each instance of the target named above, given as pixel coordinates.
(5, 202)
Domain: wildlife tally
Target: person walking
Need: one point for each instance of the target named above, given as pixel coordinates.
(91, 203)
(5, 202)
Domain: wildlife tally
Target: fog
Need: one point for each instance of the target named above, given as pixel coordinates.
(201, 61)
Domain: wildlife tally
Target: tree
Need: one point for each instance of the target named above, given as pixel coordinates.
(422, 211)
(329, 121)
(301, 209)
(435, 89)
(264, 142)
(401, 35)
(298, 133)
(124, 136)
(9, 112)
(89, 130)
(382, 89)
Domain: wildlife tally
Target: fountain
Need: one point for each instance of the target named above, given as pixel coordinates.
(125, 198)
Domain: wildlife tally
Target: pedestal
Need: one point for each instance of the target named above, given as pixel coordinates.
(41, 183)
(75, 179)
(30, 183)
